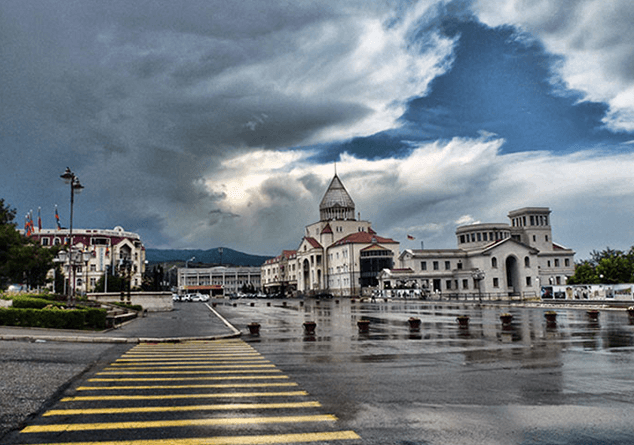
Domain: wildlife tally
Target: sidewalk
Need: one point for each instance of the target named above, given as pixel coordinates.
(188, 321)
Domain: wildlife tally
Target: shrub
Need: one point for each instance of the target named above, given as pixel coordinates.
(53, 318)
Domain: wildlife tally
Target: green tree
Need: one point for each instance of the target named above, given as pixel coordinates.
(585, 273)
(22, 260)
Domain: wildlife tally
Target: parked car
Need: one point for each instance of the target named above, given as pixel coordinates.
(199, 297)
(176, 297)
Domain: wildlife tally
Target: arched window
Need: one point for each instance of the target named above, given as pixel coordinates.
(527, 262)
(494, 262)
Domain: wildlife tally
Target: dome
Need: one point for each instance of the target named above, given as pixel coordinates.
(336, 203)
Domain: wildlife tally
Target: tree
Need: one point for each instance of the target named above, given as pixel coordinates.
(608, 266)
(22, 260)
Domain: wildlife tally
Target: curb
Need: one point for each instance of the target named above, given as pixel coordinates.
(123, 340)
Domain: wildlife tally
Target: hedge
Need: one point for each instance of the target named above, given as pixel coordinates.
(33, 303)
(53, 318)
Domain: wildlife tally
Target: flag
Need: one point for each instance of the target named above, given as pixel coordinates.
(59, 226)
(39, 219)
(410, 237)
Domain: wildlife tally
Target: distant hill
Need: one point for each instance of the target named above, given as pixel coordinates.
(211, 256)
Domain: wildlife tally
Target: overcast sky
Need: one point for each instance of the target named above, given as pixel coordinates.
(200, 124)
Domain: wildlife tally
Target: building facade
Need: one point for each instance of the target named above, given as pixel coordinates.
(494, 259)
(219, 280)
(339, 254)
(96, 252)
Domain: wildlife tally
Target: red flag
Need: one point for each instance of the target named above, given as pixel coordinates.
(59, 226)
(410, 237)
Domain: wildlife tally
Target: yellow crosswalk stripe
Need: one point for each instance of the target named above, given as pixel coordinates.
(169, 379)
(188, 396)
(240, 440)
(152, 368)
(225, 371)
(230, 421)
(192, 362)
(159, 409)
(217, 385)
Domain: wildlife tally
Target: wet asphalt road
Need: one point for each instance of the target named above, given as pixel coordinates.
(528, 383)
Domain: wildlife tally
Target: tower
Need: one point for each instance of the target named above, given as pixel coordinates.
(336, 203)
(531, 226)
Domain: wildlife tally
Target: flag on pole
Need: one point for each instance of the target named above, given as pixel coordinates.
(39, 219)
(59, 226)
(410, 237)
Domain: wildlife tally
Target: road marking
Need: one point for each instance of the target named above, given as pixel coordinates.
(218, 385)
(192, 362)
(226, 371)
(153, 368)
(240, 440)
(188, 396)
(161, 409)
(172, 379)
(229, 421)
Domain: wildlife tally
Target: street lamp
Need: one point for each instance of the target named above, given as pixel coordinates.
(478, 276)
(75, 186)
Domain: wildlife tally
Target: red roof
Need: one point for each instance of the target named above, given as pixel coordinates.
(312, 241)
(363, 238)
(327, 229)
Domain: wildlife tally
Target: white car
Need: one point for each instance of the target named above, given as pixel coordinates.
(199, 297)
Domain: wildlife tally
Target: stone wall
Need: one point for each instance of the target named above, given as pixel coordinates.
(150, 301)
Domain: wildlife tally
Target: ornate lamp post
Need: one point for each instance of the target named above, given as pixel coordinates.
(75, 186)
(478, 276)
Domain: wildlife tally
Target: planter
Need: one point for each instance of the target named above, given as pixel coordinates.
(364, 326)
(309, 327)
(506, 319)
(463, 321)
(593, 314)
(254, 328)
(414, 324)
(551, 317)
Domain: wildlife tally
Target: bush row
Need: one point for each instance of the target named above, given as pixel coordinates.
(33, 302)
(53, 318)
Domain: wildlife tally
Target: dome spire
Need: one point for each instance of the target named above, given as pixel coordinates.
(336, 203)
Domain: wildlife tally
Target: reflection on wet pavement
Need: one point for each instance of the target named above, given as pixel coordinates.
(528, 381)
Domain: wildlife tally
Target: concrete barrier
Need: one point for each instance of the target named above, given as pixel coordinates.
(150, 301)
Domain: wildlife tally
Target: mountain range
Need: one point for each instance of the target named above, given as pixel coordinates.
(210, 256)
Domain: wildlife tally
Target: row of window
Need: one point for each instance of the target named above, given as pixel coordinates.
(482, 236)
(533, 220)
(494, 263)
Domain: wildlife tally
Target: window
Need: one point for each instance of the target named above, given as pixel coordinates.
(45, 241)
(534, 238)
(556, 262)
(447, 265)
(479, 236)
(494, 262)
(448, 284)
(465, 284)
(546, 238)
(93, 268)
(528, 281)
(423, 265)
(496, 282)
(548, 263)
(567, 262)
(435, 264)
(558, 280)
(527, 262)
(484, 236)
(459, 265)
(532, 220)
(461, 239)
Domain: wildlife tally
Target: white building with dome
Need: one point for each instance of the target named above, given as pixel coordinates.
(492, 259)
(339, 254)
